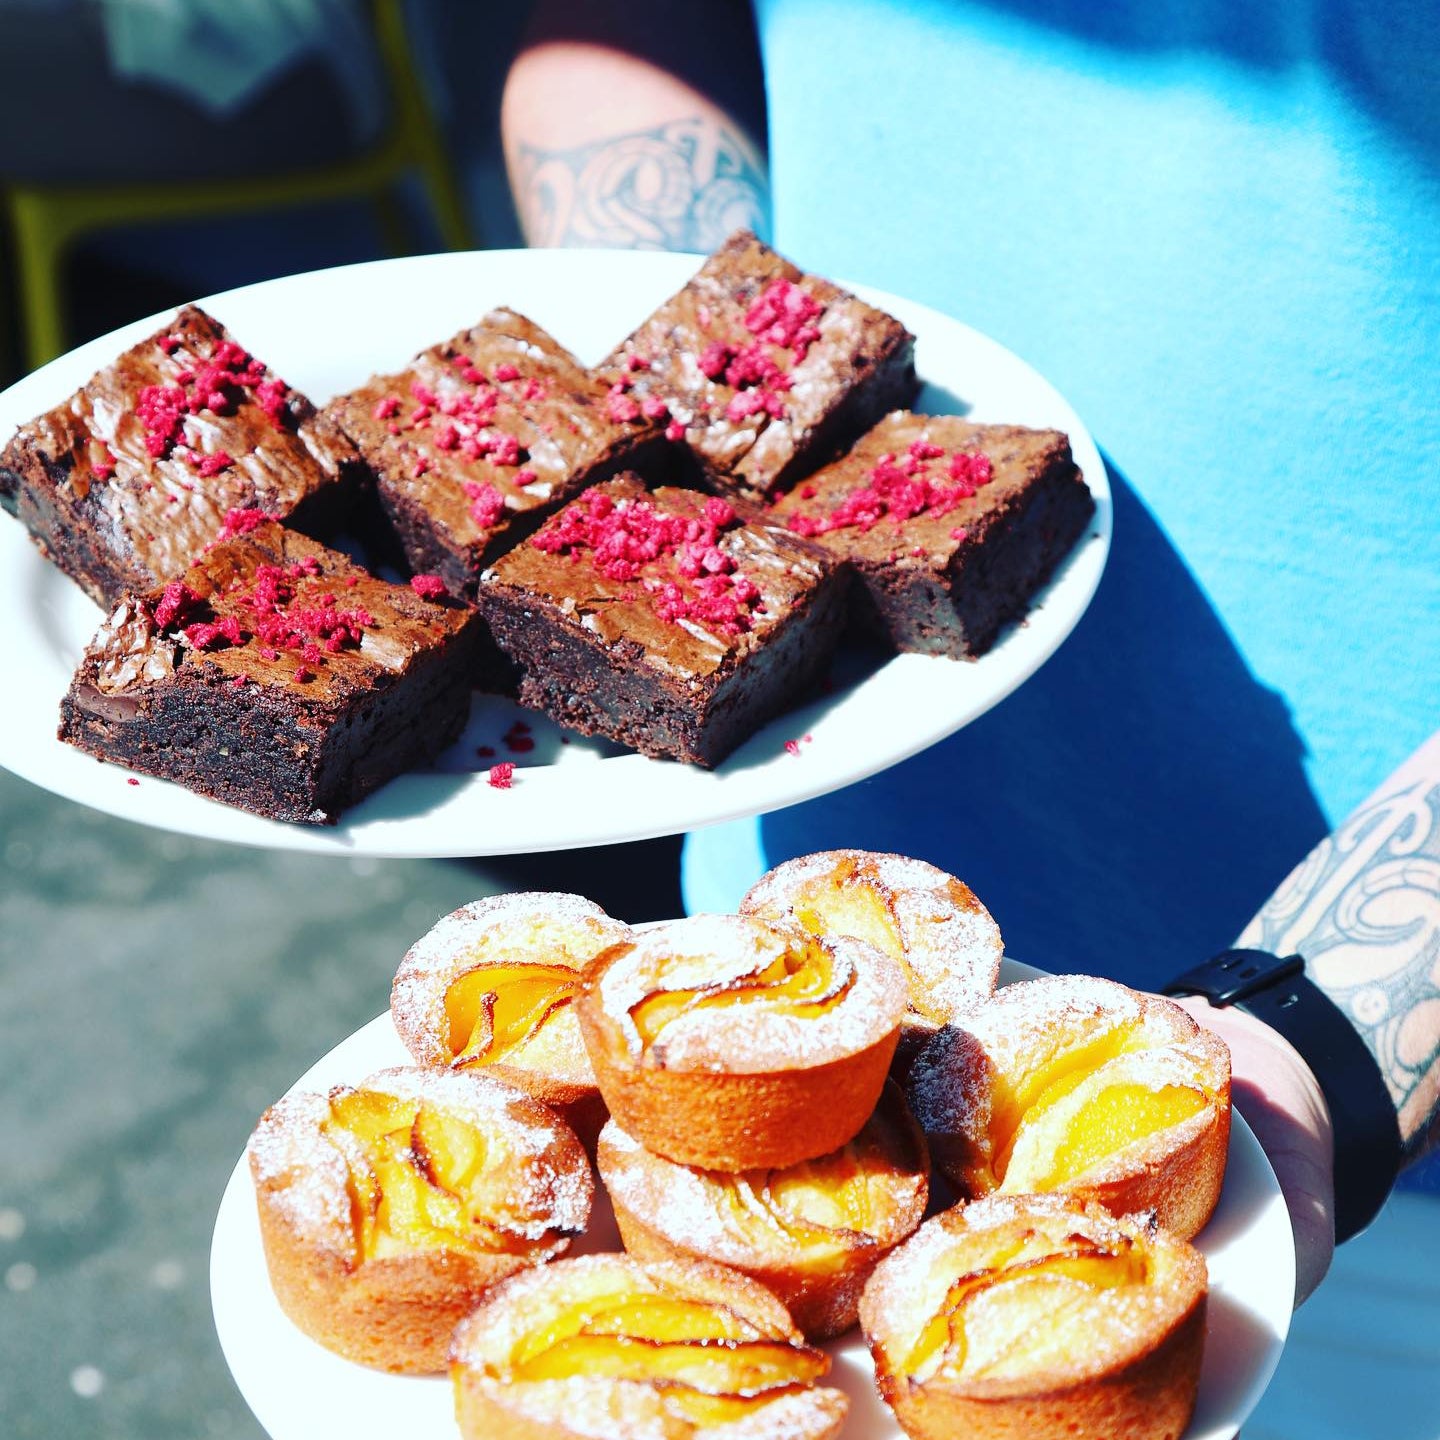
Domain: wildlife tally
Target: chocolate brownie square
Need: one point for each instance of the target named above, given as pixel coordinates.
(765, 372)
(275, 675)
(951, 527)
(485, 435)
(664, 619)
(125, 483)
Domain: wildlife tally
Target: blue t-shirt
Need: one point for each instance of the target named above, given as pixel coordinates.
(1216, 228)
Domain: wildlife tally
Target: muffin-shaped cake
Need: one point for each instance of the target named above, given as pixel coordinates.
(388, 1210)
(930, 923)
(491, 987)
(603, 1348)
(1027, 1317)
(729, 1042)
(811, 1232)
(1078, 1084)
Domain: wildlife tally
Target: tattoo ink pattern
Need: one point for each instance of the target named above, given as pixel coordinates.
(1364, 910)
(682, 186)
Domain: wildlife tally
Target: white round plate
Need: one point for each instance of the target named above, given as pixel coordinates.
(298, 1390)
(329, 331)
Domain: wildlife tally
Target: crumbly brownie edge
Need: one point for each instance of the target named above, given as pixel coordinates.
(596, 689)
(1022, 557)
(31, 487)
(260, 750)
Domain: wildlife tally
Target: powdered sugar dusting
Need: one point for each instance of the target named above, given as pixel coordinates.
(951, 945)
(1117, 1323)
(600, 1407)
(530, 926)
(303, 1172)
(304, 1169)
(714, 950)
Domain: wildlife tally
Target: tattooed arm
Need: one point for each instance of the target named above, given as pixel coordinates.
(637, 125)
(1363, 908)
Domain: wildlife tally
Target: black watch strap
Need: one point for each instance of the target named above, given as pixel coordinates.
(1275, 989)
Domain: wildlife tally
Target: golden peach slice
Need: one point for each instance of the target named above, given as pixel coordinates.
(1078, 1084)
(387, 1209)
(671, 1349)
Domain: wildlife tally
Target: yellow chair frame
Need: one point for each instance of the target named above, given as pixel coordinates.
(46, 220)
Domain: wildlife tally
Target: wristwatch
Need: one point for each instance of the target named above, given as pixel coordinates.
(1275, 989)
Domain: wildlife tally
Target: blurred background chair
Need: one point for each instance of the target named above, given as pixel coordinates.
(91, 150)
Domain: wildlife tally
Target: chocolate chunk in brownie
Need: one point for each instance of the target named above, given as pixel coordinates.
(765, 372)
(125, 483)
(664, 619)
(952, 527)
(275, 675)
(485, 435)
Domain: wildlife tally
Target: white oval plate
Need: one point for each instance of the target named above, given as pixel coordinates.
(298, 1389)
(329, 331)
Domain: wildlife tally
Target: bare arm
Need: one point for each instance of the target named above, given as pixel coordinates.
(637, 125)
(1363, 908)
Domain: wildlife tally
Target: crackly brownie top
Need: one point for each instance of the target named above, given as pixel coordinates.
(176, 432)
(496, 421)
(918, 486)
(748, 358)
(265, 607)
(678, 574)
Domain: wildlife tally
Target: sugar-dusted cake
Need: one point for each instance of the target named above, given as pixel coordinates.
(728, 1042)
(1037, 1317)
(275, 675)
(1077, 1084)
(664, 620)
(601, 1347)
(952, 527)
(127, 481)
(482, 436)
(763, 371)
(811, 1232)
(388, 1209)
(491, 987)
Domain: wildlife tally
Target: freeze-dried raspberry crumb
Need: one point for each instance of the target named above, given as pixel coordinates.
(427, 587)
(211, 465)
(242, 522)
(487, 504)
(501, 776)
(505, 371)
(177, 606)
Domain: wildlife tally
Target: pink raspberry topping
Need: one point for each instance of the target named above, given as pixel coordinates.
(501, 776)
(487, 504)
(630, 539)
(784, 314)
(427, 587)
(901, 489)
(242, 522)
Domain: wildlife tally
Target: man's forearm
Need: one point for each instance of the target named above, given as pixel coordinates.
(1363, 908)
(607, 144)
